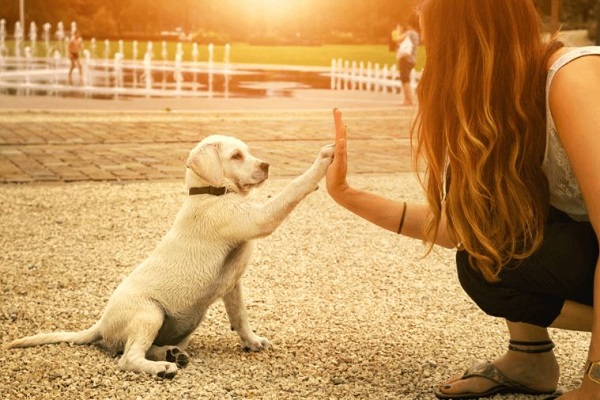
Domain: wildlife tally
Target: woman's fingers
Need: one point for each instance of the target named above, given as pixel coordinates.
(336, 173)
(340, 137)
(340, 128)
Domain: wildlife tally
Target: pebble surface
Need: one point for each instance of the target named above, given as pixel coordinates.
(351, 311)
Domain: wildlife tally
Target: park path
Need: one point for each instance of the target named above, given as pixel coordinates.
(69, 146)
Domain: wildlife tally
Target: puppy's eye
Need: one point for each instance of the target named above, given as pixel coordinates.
(237, 156)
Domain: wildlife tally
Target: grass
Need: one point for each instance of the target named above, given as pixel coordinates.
(244, 53)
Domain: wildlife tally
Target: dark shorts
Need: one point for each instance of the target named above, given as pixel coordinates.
(74, 56)
(405, 66)
(534, 290)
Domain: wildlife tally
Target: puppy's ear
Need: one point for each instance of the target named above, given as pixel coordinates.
(205, 162)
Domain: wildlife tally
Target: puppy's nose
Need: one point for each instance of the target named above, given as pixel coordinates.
(264, 166)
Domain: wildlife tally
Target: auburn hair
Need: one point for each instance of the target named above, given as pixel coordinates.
(480, 131)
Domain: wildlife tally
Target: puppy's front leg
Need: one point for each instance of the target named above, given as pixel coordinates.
(236, 311)
(309, 180)
(265, 220)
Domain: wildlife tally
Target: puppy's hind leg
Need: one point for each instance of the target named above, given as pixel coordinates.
(176, 354)
(141, 332)
(236, 311)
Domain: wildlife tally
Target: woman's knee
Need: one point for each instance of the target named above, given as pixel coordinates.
(503, 301)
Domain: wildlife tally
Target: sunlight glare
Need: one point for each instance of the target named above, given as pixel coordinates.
(272, 9)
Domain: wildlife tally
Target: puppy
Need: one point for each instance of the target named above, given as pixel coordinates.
(153, 312)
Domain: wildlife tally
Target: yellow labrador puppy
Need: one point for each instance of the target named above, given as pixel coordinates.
(153, 312)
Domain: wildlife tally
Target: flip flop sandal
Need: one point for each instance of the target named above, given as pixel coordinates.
(489, 371)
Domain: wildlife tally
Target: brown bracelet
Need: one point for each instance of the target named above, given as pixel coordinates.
(402, 219)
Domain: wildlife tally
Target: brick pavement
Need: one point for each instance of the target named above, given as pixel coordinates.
(68, 146)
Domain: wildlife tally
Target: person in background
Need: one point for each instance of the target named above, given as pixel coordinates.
(406, 55)
(395, 38)
(75, 47)
(507, 137)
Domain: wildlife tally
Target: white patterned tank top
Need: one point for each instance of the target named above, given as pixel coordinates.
(564, 190)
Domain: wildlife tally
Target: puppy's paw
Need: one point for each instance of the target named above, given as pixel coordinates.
(165, 370)
(256, 343)
(172, 354)
(326, 154)
(178, 356)
(323, 160)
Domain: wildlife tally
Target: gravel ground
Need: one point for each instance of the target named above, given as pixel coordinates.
(352, 311)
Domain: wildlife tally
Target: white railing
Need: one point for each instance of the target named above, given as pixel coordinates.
(353, 75)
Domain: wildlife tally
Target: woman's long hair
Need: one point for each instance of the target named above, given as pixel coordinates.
(481, 126)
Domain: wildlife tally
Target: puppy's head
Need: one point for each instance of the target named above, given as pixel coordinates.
(225, 161)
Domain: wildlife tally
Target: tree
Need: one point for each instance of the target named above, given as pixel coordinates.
(555, 15)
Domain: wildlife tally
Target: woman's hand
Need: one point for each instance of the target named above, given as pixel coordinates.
(337, 171)
(587, 391)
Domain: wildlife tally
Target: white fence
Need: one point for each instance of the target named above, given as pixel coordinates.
(353, 75)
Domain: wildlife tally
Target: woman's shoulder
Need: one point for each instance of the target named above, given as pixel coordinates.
(571, 71)
(567, 55)
(573, 65)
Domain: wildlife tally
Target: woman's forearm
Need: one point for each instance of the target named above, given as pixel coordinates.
(387, 214)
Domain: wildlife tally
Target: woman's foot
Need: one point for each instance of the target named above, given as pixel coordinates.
(536, 371)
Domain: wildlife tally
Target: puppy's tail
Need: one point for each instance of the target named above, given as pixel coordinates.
(89, 335)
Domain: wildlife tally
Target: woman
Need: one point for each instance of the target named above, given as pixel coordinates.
(514, 188)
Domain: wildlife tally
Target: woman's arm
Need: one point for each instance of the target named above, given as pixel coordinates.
(383, 212)
(575, 106)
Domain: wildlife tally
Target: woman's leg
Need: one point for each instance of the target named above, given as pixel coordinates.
(71, 71)
(405, 70)
(535, 292)
(574, 317)
(538, 371)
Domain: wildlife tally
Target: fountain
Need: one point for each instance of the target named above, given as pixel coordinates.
(134, 56)
(85, 69)
(195, 55)
(211, 53)
(93, 48)
(46, 27)
(57, 57)
(3, 49)
(27, 69)
(118, 73)
(177, 75)
(18, 39)
(106, 62)
(164, 54)
(60, 37)
(33, 38)
(226, 72)
(148, 72)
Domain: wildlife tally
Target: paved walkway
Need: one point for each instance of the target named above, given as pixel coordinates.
(40, 142)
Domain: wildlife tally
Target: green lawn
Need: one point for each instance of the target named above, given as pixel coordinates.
(244, 53)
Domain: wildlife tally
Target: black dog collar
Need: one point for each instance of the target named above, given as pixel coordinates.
(215, 191)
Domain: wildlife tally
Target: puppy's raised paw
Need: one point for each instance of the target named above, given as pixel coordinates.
(327, 152)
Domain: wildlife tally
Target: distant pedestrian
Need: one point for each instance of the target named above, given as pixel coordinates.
(406, 54)
(75, 46)
(395, 37)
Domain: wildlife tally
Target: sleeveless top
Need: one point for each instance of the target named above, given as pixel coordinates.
(565, 194)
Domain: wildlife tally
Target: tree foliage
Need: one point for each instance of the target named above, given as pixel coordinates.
(237, 20)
